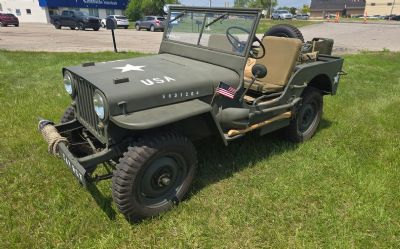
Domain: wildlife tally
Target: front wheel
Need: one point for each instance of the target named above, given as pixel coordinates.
(137, 27)
(308, 116)
(57, 25)
(153, 175)
(81, 26)
(96, 29)
(152, 28)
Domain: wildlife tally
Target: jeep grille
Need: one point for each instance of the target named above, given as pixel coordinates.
(85, 108)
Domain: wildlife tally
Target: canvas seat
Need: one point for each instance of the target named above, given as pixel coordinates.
(281, 56)
(219, 41)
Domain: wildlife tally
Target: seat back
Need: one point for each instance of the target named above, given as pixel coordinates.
(219, 41)
(281, 55)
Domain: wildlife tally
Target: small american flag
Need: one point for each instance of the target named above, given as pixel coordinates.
(226, 90)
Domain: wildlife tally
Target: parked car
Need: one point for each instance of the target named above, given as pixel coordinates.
(389, 17)
(151, 23)
(8, 19)
(75, 19)
(302, 17)
(122, 21)
(395, 18)
(281, 14)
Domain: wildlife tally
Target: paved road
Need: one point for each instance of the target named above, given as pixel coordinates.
(349, 38)
(43, 37)
(353, 37)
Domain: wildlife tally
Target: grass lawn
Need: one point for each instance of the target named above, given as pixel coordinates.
(338, 190)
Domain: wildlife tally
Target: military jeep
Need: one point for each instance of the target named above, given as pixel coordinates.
(212, 77)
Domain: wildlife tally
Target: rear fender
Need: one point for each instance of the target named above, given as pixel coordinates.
(322, 74)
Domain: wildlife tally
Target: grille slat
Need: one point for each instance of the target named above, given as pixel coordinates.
(85, 107)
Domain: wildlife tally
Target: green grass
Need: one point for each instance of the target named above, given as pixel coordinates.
(338, 190)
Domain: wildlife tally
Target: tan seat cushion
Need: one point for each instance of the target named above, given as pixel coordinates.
(280, 58)
(219, 41)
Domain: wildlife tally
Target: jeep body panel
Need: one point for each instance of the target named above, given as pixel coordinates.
(160, 116)
(155, 81)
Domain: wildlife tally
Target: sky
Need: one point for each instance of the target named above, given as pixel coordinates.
(219, 3)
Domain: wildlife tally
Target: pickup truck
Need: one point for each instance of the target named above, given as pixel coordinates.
(75, 19)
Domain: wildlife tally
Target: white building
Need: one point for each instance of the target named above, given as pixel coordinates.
(41, 10)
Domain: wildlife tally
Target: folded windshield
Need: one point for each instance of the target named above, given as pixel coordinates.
(227, 31)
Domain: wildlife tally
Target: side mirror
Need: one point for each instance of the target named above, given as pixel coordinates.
(111, 24)
(259, 71)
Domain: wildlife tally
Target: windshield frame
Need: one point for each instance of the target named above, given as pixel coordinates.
(221, 11)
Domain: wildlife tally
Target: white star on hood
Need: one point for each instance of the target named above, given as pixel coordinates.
(129, 67)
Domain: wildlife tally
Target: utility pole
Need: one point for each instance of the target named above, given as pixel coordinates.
(391, 11)
(210, 2)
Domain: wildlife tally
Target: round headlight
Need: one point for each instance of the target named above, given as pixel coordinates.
(68, 83)
(99, 105)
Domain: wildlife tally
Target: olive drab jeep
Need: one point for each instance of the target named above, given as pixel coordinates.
(212, 77)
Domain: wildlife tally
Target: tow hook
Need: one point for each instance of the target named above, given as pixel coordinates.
(51, 135)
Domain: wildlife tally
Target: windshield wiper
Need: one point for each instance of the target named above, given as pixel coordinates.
(217, 19)
(178, 16)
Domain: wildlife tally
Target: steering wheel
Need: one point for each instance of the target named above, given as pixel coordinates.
(240, 46)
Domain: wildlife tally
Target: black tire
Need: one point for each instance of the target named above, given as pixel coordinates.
(1, 24)
(153, 175)
(57, 25)
(285, 30)
(96, 29)
(152, 28)
(72, 28)
(16, 25)
(81, 26)
(126, 27)
(137, 27)
(308, 116)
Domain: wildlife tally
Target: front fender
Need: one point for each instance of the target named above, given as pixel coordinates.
(191, 117)
(160, 116)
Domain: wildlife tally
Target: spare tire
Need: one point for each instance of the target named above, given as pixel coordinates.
(285, 30)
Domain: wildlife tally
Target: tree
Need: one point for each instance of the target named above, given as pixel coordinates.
(306, 9)
(138, 8)
(293, 10)
(262, 4)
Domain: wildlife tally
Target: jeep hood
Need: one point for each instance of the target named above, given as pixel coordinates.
(152, 81)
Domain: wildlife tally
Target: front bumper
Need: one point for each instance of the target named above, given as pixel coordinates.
(82, 167)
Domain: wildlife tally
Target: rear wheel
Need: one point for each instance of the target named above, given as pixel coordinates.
(308, 116)
(152, 28)
(153, 175)
(96, 29)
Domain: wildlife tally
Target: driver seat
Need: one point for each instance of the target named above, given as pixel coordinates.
(280, 59)
(219, 41)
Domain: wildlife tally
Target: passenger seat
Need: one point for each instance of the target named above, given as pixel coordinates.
(281, 55)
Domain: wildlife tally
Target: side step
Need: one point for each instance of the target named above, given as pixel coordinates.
(238, 133)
